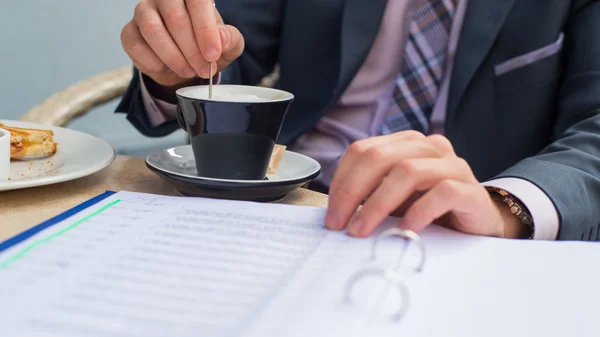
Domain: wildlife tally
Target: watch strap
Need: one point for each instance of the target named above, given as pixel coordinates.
(516, 207)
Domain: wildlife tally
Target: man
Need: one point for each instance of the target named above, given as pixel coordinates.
(481, 115)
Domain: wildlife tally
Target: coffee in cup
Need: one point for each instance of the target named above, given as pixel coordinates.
(233, 134)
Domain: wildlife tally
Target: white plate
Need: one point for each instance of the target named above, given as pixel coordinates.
(78, 155)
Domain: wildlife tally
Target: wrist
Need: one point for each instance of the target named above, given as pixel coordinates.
(515, 219)
(512, 227)
(167, 93)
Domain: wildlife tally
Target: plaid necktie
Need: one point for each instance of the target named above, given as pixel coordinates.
(422, 67)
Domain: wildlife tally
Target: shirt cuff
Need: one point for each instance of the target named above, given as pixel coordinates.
(543, 212)
(159, 111)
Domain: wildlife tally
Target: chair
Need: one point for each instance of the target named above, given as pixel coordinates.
(79, 98)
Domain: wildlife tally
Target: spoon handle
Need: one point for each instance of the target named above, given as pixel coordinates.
(210, 80)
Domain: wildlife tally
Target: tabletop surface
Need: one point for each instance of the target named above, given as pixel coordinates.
(25, 208)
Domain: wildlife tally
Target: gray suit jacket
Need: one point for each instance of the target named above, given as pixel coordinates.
(509, 115)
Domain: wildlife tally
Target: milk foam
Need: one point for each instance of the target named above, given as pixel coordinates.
(235, 93)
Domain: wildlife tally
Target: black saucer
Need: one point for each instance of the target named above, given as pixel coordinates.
(177, 167)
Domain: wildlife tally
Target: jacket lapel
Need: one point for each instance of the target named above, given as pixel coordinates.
(482, 23)
(360, 24)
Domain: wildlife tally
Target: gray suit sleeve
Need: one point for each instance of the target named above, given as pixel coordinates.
(259, 21)
(568, 170)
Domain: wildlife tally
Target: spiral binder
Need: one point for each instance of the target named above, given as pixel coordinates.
(390, 274)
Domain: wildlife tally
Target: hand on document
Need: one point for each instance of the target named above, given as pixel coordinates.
(416, 176)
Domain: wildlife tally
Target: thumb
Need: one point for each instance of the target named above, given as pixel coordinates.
(233, 45)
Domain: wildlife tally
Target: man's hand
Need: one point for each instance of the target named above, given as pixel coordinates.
(417, 176)
(172, 41)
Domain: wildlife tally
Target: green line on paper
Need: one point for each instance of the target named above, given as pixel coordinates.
(35, 244)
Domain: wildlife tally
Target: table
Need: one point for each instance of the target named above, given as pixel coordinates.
(25, 208)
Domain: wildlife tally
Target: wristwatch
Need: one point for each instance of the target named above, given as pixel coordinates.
(516, 207)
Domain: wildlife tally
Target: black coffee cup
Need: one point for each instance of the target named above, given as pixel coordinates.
(234, 133)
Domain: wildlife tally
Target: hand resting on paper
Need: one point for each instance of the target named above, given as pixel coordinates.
(418, 177)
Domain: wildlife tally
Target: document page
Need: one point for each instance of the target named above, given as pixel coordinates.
(145, 265)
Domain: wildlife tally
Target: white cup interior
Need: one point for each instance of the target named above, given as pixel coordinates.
(4, 154)
(235, 93)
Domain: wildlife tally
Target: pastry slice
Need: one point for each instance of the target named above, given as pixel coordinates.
(26, 143)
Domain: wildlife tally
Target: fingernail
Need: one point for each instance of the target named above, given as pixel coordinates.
(188, 72)
(225, 36)
(355, 226)
(211, 54)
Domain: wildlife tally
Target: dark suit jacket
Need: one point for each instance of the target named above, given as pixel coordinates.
(539, 122)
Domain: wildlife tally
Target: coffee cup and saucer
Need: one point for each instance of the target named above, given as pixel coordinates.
(232, 137)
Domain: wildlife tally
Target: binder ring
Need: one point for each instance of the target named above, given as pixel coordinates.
(388, 274)
(407, 234)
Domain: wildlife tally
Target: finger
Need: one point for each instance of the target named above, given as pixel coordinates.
(407, 178)
(218, 16)
(179, 25)
(138, 50)
(144, 58)
(352, 155)
(447, 196)
(368, 170)
(204, 22)
(155, 33)
(358, 148)
(462, 206)
(441, 143)
(233, 44)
